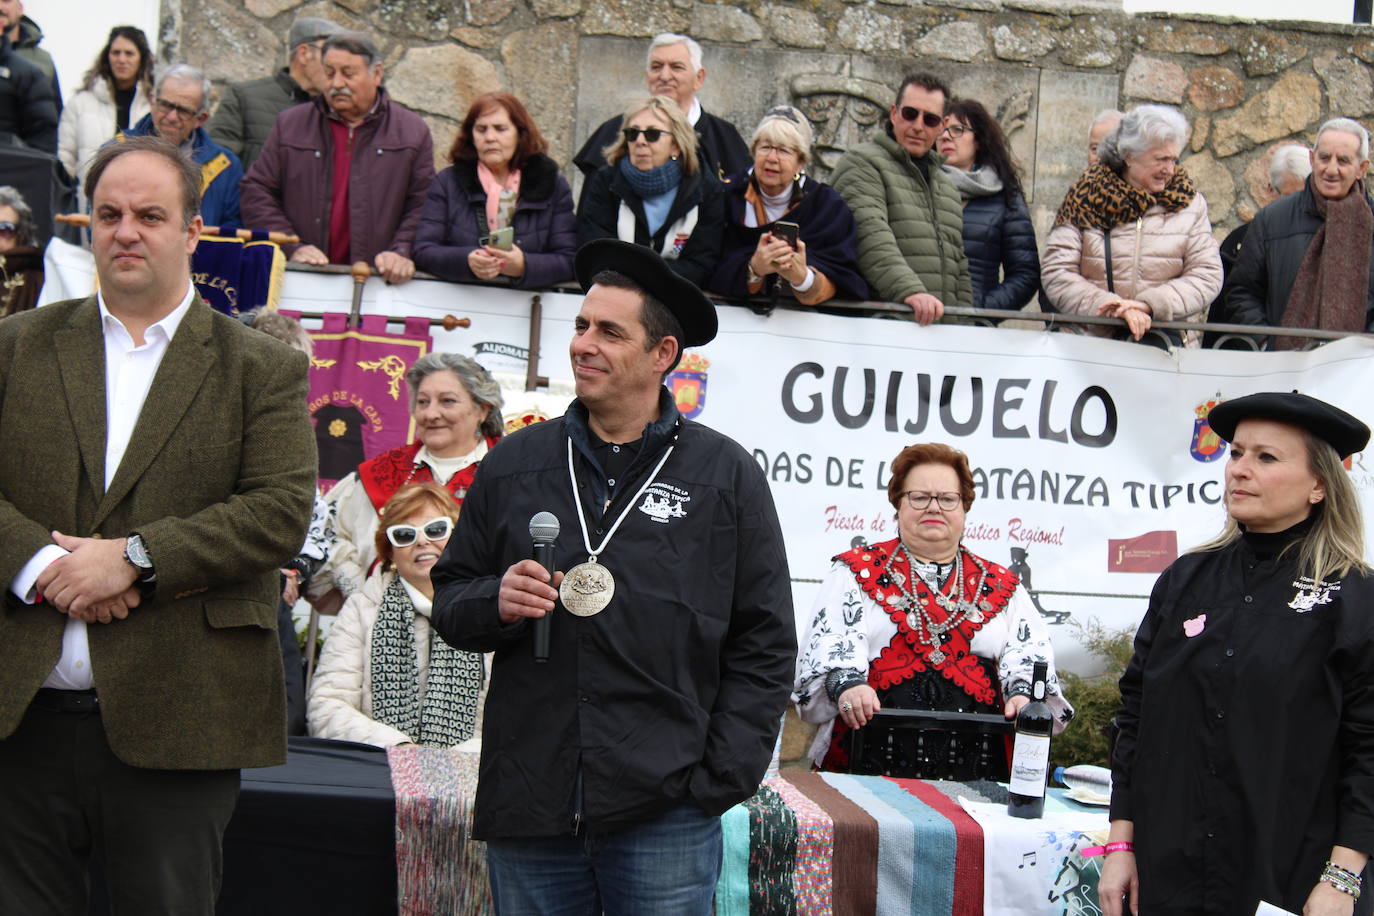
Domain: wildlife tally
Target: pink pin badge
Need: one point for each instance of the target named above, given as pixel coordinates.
(1194, 626)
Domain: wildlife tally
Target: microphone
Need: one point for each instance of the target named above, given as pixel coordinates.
(544, 531)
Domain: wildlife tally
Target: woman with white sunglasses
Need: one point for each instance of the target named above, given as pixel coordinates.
(384, 678)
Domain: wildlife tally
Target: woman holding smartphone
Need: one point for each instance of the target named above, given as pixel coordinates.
(786, 233)
(501, 212)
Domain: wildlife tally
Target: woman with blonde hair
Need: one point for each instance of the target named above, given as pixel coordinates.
(1244, 769)
(653, 192)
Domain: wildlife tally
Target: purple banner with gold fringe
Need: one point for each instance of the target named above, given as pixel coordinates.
(359, 401)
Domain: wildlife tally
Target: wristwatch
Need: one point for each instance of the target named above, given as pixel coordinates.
(136, 553)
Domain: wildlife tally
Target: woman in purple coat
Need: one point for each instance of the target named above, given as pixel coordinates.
(502, 212)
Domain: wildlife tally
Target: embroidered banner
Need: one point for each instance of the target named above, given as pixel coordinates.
(235, 276)
(359, 400)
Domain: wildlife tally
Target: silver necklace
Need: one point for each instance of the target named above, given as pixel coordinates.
(929, 631)
(588, 587)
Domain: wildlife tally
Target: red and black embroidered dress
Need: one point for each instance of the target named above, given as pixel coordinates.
(383, 475)
(908, 673)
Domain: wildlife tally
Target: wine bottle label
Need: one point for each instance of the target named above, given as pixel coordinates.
(1039, 690)
(1029, 763)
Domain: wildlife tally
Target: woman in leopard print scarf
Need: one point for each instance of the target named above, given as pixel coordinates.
(1137, 210)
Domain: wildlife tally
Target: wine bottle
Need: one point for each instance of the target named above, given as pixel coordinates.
(1030, 758)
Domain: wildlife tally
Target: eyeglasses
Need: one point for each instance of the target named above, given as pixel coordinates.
(782, 152)
(651, 134)
(918, 500)
(180, 111)
(8, 228)
(928, 118)
(436, 529)
(955, 131)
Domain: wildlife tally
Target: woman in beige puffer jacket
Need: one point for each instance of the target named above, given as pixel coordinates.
(1165, 260)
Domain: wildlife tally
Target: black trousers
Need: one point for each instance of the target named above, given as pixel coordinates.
(65, 796)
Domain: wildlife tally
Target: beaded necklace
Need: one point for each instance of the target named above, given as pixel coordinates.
(928, 631)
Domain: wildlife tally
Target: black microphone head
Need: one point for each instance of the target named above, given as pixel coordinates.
(544, 527)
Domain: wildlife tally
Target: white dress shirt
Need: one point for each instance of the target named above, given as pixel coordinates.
(129, 372)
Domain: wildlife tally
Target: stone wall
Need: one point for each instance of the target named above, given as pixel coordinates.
(1044, 67)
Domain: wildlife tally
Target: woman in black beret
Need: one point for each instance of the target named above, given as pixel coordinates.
(1244, 770)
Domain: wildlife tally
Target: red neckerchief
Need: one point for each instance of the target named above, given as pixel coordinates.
(382, 476)
(906, 655)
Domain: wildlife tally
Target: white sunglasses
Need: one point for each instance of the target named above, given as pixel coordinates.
(436, 529)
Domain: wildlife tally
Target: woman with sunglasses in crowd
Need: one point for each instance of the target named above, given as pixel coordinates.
(759, 257)
(456, 406)
(921, 622)
(21, 260)
(653, 192)
(384, 677)
(998, 236)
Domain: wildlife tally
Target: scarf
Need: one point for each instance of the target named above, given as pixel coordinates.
(1331, 288)
(653, 183)
(501, 196)
(447, 712)
(763, 209)
(1101, 199)
(980, 182)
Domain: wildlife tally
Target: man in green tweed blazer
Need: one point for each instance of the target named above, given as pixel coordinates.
(156, 469)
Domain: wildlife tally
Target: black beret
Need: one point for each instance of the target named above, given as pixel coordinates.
(1345, 433)
(695, 312)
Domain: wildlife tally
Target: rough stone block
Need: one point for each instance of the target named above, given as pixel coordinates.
(631, 18)
(555, 9)
(1349, 92)
(476, 38)
(1202, 129)
(793, 27)
(1287, 107)
(862, 29)
(1155, 79)
(1215, 88)
(1185, 38)
(1021, 41)
(1264, 53)
(427, 19)
(443, 132)
(326, 10)
(1364, 50)
(442, 80)
(1089, 46)
(963, 41)
(229, 43)
(1256, 174)
(542, 65)
(1215, 183)
(713, 22)
(266, 9)
(488, 12)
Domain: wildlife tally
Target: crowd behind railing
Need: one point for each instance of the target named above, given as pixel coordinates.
(930, 213)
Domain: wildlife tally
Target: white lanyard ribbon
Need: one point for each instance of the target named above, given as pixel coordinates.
(582, 518)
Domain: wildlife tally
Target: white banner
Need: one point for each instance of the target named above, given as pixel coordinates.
(1090, 472)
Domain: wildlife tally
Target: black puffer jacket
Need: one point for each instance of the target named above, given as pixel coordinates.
(28, 112)
(999, 240)
(1274, 246)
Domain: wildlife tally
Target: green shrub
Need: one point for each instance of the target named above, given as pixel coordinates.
(1095, 699)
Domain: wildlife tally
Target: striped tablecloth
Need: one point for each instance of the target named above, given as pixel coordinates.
(807, 843)
(822, 843)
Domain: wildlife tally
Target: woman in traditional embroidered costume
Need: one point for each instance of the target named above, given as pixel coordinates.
(919, 622)
(384, 677)
(456, 406)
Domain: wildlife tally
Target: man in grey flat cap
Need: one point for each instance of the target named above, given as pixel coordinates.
(248, 110)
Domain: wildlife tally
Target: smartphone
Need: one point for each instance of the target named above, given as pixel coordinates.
(501, 238)
(786, 231)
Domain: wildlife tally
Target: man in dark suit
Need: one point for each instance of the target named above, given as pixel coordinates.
(157, 471)
(674, 69)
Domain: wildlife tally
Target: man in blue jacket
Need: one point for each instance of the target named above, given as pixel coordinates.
(181, 106)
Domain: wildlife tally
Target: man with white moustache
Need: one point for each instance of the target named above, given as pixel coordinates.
(674, 70)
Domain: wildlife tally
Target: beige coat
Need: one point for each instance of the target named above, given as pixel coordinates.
(340, 702)
(1169, 261)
